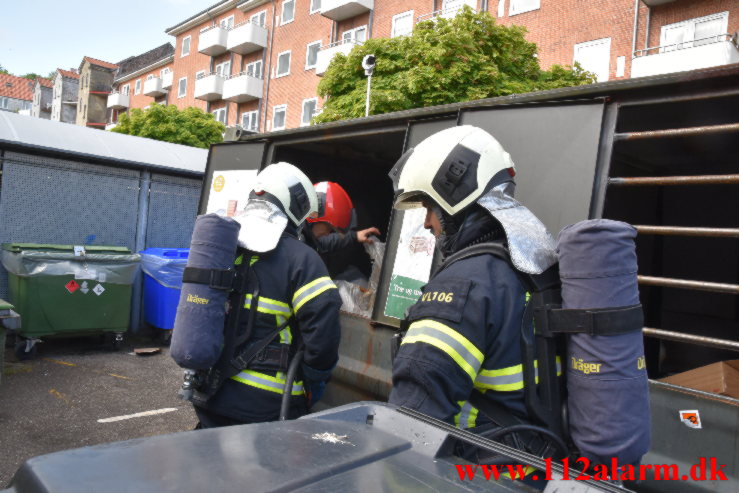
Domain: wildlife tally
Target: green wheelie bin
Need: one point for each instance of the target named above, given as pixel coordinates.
(68, 290)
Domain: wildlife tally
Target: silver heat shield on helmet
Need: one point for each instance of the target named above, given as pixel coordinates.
(531, 246)
(262, 224)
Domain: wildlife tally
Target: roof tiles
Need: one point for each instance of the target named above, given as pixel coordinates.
(16, 87)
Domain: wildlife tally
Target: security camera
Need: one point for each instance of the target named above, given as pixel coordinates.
(368, 63)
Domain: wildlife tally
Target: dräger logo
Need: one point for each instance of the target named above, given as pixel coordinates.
(585, 367)
(191, 298)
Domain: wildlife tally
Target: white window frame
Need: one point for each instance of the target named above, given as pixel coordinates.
(180, 93)
(251, 115)
(150, 76)
(282, 12)
(289, 62)
(199, 74)
(219, 111)
(126, 89)
(514, 9)
(397, 17)
(302, 113)
(224, 23)
(690, 24)
(254, 64)
(263, 14)
(353, 34)
(187, 39)
(307, 53)
(223, 66)
(312, 10)
(4, 102)
(590, 43)
(164, 71)
(137, 87)
(275, 109)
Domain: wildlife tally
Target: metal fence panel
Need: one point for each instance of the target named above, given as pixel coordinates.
(173, 205)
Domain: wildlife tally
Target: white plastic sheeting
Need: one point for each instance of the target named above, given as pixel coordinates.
(56, 136)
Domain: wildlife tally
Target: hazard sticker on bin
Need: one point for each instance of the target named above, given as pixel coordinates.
(691, 418)
(84, 289)
(98, 289)
(72, 286)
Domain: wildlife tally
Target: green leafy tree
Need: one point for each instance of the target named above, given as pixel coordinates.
(190, 126)
(31, 76)
(3, 70)
(444, 61)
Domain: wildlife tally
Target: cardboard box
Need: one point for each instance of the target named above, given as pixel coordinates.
(719, 378)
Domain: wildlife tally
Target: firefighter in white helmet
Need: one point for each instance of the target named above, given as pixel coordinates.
(463, 335)
(294, 292)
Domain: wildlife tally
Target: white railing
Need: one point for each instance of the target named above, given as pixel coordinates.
(684, 45)
(446, 13)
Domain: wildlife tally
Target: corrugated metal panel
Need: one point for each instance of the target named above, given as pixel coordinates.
(54, 136)
(173, 205)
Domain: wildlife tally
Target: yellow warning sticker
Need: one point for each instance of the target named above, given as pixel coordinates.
(219, 183)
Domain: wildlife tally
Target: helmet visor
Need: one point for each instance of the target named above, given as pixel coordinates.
(410, 200)
(262, 224)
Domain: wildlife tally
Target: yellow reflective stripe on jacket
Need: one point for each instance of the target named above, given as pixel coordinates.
(443, 337)
(508, 379)
(286, 335)
(311, 290)
(267, 305)
(467, 415)
(266, 382)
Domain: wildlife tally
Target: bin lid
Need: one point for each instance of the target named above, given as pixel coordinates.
(168, 253)
(20, 247)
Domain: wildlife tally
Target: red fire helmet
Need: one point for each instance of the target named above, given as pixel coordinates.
(334, 205)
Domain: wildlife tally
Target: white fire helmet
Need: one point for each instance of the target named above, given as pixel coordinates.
(453, 167)
(281, 192)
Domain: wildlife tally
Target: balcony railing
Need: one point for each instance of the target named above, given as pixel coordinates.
(154, 88)
(242, 87)
(167, 80)
(339, 10)
(327, 53)
(116, 101)
(246, 37)
(212, 41)
(209, 87)
(447, 13)
(707, 52)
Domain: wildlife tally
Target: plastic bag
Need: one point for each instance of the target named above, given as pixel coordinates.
(166, 271)
(355, 298)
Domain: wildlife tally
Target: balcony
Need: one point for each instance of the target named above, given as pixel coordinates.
(154, 88)
(325, 55)
(688, 55)
(116, 101)
(655, 3)
(246, 38)
(167, 80)
(213, 41)
(448, 13)
(339, 10)
(242, 88)
(209, 87)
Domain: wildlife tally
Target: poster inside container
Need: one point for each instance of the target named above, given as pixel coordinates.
(230, 190)
(413, 260)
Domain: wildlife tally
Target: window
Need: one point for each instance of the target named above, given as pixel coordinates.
(185, 50)
(221, 115)
(125, 89)
(228, 22)
(283, 64)
(279, 115)
(309, 109)
(402, 24)
(164, 71)
(137, 87)
(501, 8)
(250, 120)
(357, 35)
(288, 12)
(259, 19)
(450, 8)
(311, 54)
(693, 32)
(521, 6)
(224, 69)
(182, 87)
(254, 69)
(150, 76)
(4, 103)
(315, 6)
(595, 56)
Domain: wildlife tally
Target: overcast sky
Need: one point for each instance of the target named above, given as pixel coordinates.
(43, 35)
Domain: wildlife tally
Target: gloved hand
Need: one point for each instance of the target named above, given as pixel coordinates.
(314, 382)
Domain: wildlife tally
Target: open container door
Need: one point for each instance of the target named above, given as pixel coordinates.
(229, 176)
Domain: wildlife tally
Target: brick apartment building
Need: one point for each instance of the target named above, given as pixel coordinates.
(16, 93)
(42, 93)
(257, 63)
(64, 96)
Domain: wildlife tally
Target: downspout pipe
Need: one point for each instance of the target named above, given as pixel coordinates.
(140, 244)
(636, 28)
(268, 70)
(649, 22)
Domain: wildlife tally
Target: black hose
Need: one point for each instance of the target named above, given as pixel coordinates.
(289, 380)
(500, 432)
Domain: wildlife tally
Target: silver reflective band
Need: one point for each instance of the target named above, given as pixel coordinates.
(425, 332)
(467, 412)
(311, 290)
(266, 382)
(268, 306)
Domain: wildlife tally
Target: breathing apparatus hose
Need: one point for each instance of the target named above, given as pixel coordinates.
(497, 434)
(292, 371)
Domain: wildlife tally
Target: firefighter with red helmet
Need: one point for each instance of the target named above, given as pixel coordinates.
(332, 233)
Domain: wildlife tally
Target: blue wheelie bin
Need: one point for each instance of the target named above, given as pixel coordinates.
(163, 269)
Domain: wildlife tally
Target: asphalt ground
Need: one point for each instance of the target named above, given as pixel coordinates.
(55, 401)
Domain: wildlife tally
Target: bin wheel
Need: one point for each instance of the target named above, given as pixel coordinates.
(22, 354)
(165, 337)
(116, 341)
